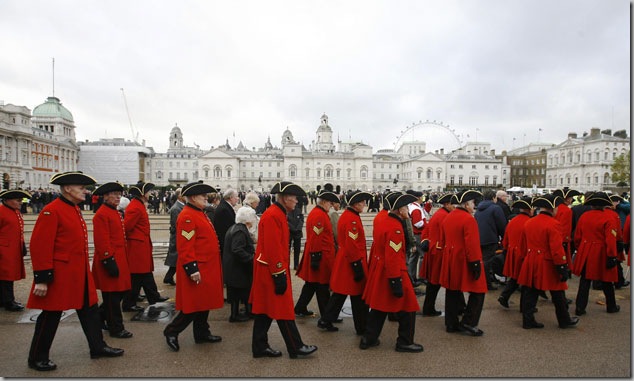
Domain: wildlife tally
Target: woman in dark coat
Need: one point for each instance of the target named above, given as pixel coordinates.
(237, 262)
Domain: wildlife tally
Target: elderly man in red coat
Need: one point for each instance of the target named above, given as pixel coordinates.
(545, 267)
(272, 294)
(389, 288)
(12, 246)
(461, 269)
(198, 268)
(110, 262)
(61, 272)
(139, 248)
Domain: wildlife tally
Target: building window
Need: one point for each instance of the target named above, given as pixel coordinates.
(495, 180)
(451, 180)
(473, 180)
(486, 180)
(292, 171)
(473, 166)
(459, 180)
(459, 166)
(217, 172)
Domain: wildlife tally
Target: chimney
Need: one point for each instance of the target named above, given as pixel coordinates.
(492, 152)
(436, 152)
(572, 135)
(607, 132)
(442, 151)
(595, 132)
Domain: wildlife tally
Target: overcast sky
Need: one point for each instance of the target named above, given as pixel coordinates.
(498, 69)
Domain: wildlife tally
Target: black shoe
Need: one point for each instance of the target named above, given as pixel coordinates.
(268, 352)
(338, 320)
(473, 331)
(365, 343)
(542, 294)
(123, 334)
(208, 339)
(615, 309)
(169, 281)
(491, 287)
(532, 324)
(571, 323)
(413, 348)
(304, 350)
(568, 301)
(160, 299)
(134, 308)
(14, 307)
(306, 313)
(453, 329)
(579, 312)
(106, 351)
(239, 318)
(503, 301)
(432, 313)
(140, 298)
(104, 326)
(327, 326)
(172, 342)
(42, 366)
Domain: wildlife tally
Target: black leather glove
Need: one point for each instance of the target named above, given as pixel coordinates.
(475, 268)
(611, 262)
(315, 260)
(357, 269)
(563, 271)
(280, 283)
(396, 284)
(425, 246)
(111, 267)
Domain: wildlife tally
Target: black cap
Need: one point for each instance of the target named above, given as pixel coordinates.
(467, 195)
(72, 178)
(329, 187)
(566, 192)
(523, 203)
(357, 196)
(114, 186)
(388, 199)
(403, 200)
(287, 187)
(15, 193)
(141, 188)
(415, 193)
(616, 197)
(598, 199)
(328, 196)
(197, 187)
(446, 198)
(547, 201)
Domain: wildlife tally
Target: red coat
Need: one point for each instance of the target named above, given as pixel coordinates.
(319, 238)
(389, 262)
(137, 235)
(59, 246)
(11, 244)
(595, 239)
(543, 245)
(432, 261)
(272, 257)
(196, 242)
(564, 217)
(616, 221)
(379, 219)
(460, 243)
(512, 241)
(351, 239)
(626, 236)
(109, 237)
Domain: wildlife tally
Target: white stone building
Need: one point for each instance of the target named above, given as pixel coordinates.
(178, 166)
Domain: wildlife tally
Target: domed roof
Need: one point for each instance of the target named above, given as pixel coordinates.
(53, 108)
(176, 129)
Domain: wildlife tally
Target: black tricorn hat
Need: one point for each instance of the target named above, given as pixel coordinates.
(446, 198)
(388, 199)
(357, 196)
(15, 193)
(328, 196)
(403, 200)
(140, 188)
(329, 187)
(566, 192)
(197, 187)
(72, 178)
(287, 187)
(598, 199)
(414, 193)
(616, 197)
(523, 203)
(549, 201)
(467, 195)
(114, 186)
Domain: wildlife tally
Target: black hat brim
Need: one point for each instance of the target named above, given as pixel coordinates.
(328, 196)
(286, 187)
(359, 197)
(446, 198)
(193, 189)
(72, 178)
(14, 194)
(108, 187)
(403, 200)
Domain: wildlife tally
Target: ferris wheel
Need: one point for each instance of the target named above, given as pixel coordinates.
(434, 133)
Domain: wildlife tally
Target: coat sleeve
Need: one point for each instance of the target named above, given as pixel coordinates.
(130, 219)
(556, 245)
(101, 236)
(394, 253)
(472, 240)
(186, 243)
(42, 245)
(240, 244)
(610, 232)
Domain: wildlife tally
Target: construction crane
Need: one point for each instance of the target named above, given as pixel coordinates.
(135, 135)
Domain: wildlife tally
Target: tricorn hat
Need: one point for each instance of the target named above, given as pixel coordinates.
(445, 198)
(566, 192)
(415, 193)
(357, 196)
(388, 199)
(197, 187)
(403, 200)
(328, 196)
(114, 186)
(616, 198)
(547, 201)
(329, 187)
(287, 187)
(13, 194)
(598, 199)
(72, 178)
(467, 195)
(140, 188)
(523, 203)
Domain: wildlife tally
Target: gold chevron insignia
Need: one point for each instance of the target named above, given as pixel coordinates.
(353, 235)
(396, 246)
(613, 232)
(188, 235)
(317, 230)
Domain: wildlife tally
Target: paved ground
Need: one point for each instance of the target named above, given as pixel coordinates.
(599, 347)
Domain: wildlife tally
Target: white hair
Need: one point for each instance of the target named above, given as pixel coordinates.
(251, 197)
(245, 214)
(229, 193)
(123, 203)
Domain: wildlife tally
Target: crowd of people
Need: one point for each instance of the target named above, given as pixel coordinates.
(469, 243)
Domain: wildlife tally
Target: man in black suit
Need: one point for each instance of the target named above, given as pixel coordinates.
(225, 215)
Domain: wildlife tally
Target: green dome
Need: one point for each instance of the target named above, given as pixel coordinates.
(53, 109)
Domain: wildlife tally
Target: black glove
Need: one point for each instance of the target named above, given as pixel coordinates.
(396, 284)
(475, 268)
(24, 249)
(626, 248)
(563, 271)
(425, 246)
(111, 267)
(611, 262)
(620, 246)
(357, 269)
(280, 283)
(315, 259)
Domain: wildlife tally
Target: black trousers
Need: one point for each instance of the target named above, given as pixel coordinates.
(145, 280)
(406, 326)
(169, 275)
(308, 290)
(509, 289)
(488, 255)
(110, 310)
(6, 292)
(182, 320)
(295, 242)
(414, 258)
(455, 303)
(530, 296)
(584, 291)
(431, 293)
(48, 321)
(288, 329)
(359, 310)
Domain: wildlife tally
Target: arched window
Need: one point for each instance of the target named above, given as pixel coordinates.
(606, 178)
(419, 172)
(328, 170)
(228, 168)
(206, 171)
(363, 172)
(292, 171)
(570, 157)
(430, 174)
(217, 172)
